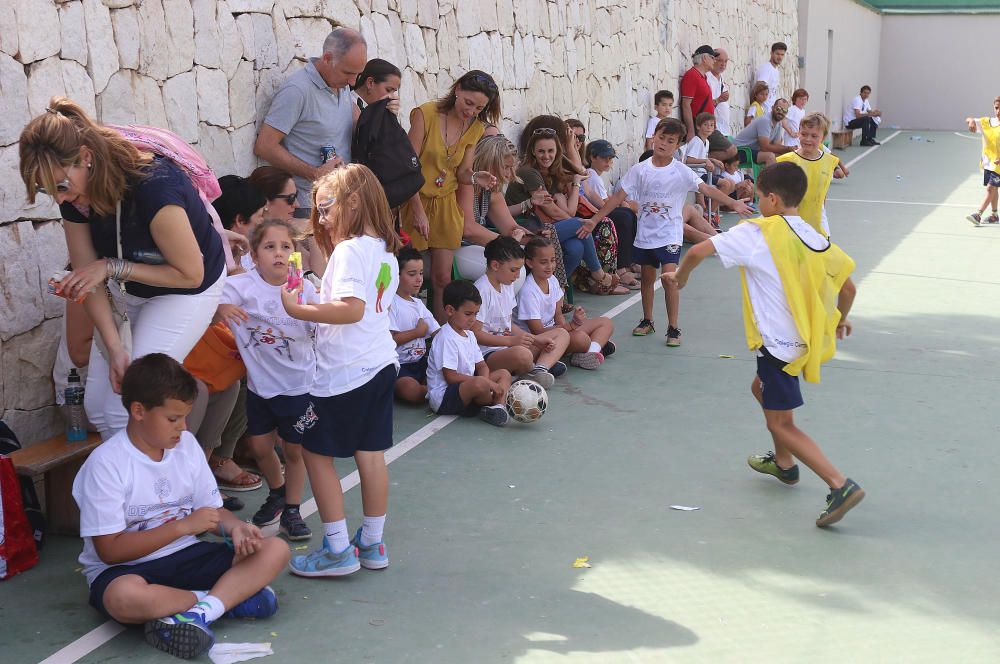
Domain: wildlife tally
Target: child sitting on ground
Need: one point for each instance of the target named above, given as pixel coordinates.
(411, 324)
(797, 292)
(539, 310)
(661, 185)
(534, 357)
(144, 496)
(742, 183)
(281, 363)
(820, 167)
(459, 381)
(663, 105)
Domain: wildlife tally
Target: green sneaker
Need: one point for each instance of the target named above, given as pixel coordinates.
(644, 328)
(765, 463)
(839, 501)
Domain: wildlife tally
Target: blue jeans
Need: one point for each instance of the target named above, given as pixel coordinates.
(575, 249)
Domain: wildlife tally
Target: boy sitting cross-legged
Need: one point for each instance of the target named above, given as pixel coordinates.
(411, 325)
(144, 497)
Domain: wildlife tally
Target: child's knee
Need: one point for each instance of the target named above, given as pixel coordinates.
(524, 359)
(293, 452)
(501, 375)
(124, 598)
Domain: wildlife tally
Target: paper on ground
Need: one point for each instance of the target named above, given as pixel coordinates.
(227, 653)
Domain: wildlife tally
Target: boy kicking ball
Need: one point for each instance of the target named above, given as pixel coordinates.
(796, 296)
(144, 496)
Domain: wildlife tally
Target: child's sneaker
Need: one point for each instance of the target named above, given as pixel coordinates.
(993, 219)
(608, 349)
(293, 526)
(270, 511)
(644, 328)
(976, 219)
(372, 556)
(839, 502)
(183, 635)
(262, 604)
(542, 376)
(765, 463)
(558, 369)
(324, 562)
(589, 361)
(495, 415)
(673, 337)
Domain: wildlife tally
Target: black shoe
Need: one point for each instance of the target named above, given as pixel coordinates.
(874, 142)
(558, 369)
(292, 525)
(867, 143)
(270, 511)
(232, 503)
(609, 349)
(839, 502)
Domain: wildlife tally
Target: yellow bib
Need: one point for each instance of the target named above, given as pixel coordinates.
(991, 145)
(819, 173)
(812, 281)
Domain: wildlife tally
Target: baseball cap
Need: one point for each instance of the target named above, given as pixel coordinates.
(707, 49)
(601, 148)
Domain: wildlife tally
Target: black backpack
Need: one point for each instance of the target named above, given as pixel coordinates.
(381, 144)
(32, 506)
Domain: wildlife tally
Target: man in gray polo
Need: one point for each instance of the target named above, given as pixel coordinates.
(763, 135)
(313, 109)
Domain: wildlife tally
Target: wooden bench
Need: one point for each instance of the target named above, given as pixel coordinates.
(842, 139)
(59, 461)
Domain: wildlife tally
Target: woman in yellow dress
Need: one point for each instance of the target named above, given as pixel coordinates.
(444, 133)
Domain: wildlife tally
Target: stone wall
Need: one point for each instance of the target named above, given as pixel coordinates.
(206, 69)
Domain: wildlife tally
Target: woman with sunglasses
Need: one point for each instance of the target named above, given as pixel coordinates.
(132, 218)
(241, 209)
(444, 133)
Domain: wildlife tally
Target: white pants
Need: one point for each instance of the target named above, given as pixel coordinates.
(170, 324)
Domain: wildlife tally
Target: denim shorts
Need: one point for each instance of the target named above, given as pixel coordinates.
(279, 413)
(671, 253)
(780, 391)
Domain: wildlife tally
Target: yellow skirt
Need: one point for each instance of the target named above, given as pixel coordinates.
(445, 220)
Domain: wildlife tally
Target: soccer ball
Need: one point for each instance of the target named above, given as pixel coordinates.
(526, 401)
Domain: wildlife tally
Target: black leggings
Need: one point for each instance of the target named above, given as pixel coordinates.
(625, 221)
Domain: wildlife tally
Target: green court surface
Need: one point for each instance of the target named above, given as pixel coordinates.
(484, 524)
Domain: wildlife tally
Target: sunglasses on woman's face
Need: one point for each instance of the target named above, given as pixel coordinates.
(323, 207)
(61, 187)
(544, 131)
(288, 198)
(580, 137)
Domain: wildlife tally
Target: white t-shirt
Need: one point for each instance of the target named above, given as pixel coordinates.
(246, 262)
(651, 125)
(697, 149)
(770, 75)
(735, 178)
(744, 246)
(794, 116)
(120, 489)
(450, 350)
(277, 349)
(722, 108)
(495, 312)
(533, 304)
(594, 184)
(404, 315)
(661, 193)
(348, 356)
(858, 104)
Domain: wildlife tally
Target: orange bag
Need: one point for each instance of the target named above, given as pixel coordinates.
(215, 360)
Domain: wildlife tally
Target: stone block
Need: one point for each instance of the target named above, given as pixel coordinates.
(8, 29)
(78, 86)
(149, 108)
(398, 46)
(20, 296)
(72, 32)
(244, 160)
(382, 47)
(213, 95)
(118, 4)
(127, 36)
(507, 56)
(180, 99)
(180, 29)
(232, 42)
(207, 38)
(44, 81)
(50, 244)
(33, 426)
(308, 35)
(447, 41)
(480, 54)
(430, 48)
(216, 146)
(242, 104)
(427, 13)
(103, 60)
(416, 53)
(505, 17)
(258, 39)
(153, 40)
(36, 37)
(116, 104)
(344, 12)
(284, 43)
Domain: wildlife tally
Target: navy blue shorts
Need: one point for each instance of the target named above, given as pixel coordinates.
(415, 370)
(356, 421)
(990, 178)
(452, 404)
(780, 391)
(711, 178)
(197, 567)
(657, 257)
(281, 412)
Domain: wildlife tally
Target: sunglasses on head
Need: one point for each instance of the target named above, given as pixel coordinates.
(288, 198)
(481, 80)
(544, 131)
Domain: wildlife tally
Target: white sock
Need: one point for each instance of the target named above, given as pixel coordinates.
(209, 606)
(594, 347)
(371, 530)
(336, 534)
(541, 367)
(200, 594)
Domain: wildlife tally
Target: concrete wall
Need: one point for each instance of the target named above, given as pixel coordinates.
(926, 81)
(207, 69)
(855, 49)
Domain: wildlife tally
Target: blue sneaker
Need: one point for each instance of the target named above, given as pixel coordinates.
(183, 635)
(324, 562)
(262, 604)
(373, 556)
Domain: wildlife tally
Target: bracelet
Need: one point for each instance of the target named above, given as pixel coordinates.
(524, 206)
(119, 269)
(472, 180)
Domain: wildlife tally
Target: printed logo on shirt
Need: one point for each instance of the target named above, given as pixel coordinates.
(656, 209)
(307, 420)
(260, 336)
(382, 282)
(161, 487)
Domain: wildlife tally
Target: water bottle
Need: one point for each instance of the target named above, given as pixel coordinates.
(76, 417)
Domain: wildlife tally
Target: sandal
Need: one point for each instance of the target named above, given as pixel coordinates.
(606, 286)
(629, 281)
(231, 477)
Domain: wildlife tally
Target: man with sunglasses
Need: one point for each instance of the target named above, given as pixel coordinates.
(313, 111)
(764, 135)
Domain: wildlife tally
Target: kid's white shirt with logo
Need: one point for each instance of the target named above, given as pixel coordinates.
(404, 315)
(350, 355)
(697, 148)
(744, 246)
(120, 489)
(661, 193)
(533, 304)
(276, 348)
(496, 310)
(450, 350)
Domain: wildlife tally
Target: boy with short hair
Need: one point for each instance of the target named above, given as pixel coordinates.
(144, 497)
(663, 106)
(708, 168)
(459, 382)
(411, 324)
(743, 184)
(797, 292)
(820, 167)
(660, 185)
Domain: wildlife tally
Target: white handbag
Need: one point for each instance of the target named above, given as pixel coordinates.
(119, 313)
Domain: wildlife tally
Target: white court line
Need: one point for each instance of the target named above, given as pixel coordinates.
(865, 200)
(961, 135)
(100, 635)
(871, 150)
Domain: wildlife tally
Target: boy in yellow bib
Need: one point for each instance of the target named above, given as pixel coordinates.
(820, 166)
(990, 128)
(797, 292)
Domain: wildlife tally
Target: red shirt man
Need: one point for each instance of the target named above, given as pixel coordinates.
(696, 97)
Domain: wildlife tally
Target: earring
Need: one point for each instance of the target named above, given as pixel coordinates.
(89, 165)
